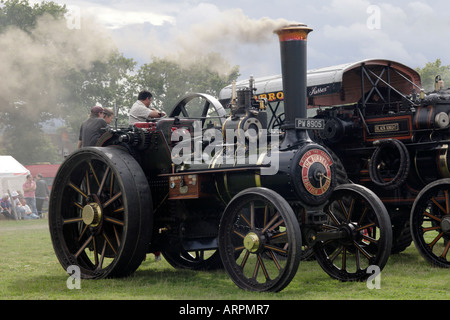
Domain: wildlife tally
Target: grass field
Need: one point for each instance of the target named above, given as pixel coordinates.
(29, 270)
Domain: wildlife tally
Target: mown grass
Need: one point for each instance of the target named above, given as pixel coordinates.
(29, 270)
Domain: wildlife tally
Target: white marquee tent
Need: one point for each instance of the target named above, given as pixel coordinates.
(12, 174)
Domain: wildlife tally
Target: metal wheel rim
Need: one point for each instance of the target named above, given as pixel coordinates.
(110, 243)
(369, 240)
(430, 223)
(260, 242)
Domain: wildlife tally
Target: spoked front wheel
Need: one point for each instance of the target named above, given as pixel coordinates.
(357, 235)
(260, 240)
(100, 213)
(430, 223)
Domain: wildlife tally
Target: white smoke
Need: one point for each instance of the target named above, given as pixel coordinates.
(33, 65)
(233, 28)
(197, 31)
(227, 33)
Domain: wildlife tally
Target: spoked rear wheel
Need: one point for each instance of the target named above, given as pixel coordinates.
(430, 223)
(100, 214)
(358, 234)
(260, 240)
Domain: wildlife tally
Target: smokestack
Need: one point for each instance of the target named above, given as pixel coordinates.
(294, 69)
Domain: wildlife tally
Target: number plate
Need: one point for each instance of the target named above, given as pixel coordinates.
(317, 124)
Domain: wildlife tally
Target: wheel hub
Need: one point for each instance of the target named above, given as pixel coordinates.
(445, 224)
(252, 242)
(350, 230)
(92, 214)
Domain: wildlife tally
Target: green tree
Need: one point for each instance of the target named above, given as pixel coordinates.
(26, 142)
(169, 81)
(61, 72)
(19, 119)
(430, 71)
(107, 83)
(20, 14)
(58, 72)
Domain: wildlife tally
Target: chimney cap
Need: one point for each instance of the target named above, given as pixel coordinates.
(293, 32)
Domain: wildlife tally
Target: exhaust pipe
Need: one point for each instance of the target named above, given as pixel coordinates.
(294, 72)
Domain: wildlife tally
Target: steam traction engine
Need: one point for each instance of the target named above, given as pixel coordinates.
(138, 193)
(397, 145)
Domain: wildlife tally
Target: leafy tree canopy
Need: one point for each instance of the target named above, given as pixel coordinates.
(430, 71)
(20, 14)
(170, 80)
(64, 72)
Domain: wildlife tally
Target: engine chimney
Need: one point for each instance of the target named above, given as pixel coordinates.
(294, 69)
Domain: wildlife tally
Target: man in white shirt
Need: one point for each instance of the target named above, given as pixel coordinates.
(141, 110)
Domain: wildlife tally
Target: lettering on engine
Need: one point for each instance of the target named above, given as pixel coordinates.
(388, 127)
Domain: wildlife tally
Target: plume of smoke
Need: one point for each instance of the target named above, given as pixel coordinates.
(33, 65)
(223, 32)
(233, 26)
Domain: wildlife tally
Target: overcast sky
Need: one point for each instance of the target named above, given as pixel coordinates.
(408, 31)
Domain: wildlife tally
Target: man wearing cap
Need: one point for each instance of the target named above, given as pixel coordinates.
(141, 110)
(90, 129)
(108, 115)
(17, 205)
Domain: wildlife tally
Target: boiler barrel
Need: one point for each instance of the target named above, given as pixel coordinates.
(305, 174)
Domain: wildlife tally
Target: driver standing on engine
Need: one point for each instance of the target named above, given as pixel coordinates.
(141, 110)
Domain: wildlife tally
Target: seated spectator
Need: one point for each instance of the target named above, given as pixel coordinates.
(16, 203)
(17, 200)
(26, 210)
(6, 208)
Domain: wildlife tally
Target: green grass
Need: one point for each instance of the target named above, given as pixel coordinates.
(29, 270)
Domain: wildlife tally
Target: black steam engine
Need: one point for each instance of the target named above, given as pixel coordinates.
(249, 203)
(397, 145)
